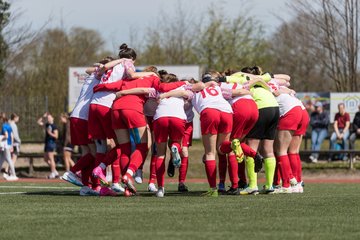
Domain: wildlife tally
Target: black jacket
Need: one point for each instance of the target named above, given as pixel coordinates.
(319, 120)
(356, 122)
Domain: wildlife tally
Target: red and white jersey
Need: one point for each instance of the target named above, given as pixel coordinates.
(301, 104)
(81, 109)
(171, 107)
(150, 107)
(286, 103)
(235, 86)
(106, 98)
(188, 107)
(211, 97)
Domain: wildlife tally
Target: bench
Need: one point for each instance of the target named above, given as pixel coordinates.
(32, 156)
(351, 153)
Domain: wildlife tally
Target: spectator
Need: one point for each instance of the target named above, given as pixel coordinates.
(355, 129)
(341, 130)
(68, 148)
(51, 135)
(14, 118)
(319, 121)
(6, 148)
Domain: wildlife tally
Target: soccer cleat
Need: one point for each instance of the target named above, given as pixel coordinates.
(232, 191)
(127, 193)
(53, 175)
(284, 190)
(293, 182)
(12, 178)
(138, 176)
(242, 185)
(72, 178)
(129, 182)
(265, 190)
(182, 188)
(160, 192)
(211, 193)
(258, 159)
(236, 147)
(117, 188)
(99, 173)
(175, 156)
(300, 186)
(152, 187)
(221, 187)
(105, 191)
(86, 191)
(250, 191)
(171, 169)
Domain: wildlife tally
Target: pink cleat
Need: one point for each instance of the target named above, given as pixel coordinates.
(105, 191)
(127, 193)
(99, 173)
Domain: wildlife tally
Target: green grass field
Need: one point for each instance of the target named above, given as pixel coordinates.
(324, 211)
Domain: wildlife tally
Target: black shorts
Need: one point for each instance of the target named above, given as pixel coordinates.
(50, 147)
(69, 147)
(265, 127)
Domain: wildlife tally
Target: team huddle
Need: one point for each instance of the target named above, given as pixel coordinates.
(249, 119)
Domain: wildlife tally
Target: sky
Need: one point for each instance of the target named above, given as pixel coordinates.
(114, 19)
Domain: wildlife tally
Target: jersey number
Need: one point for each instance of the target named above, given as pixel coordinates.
(210, 90)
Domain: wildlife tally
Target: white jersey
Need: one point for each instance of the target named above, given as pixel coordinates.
(211, 97)
(171, 107)
(188, 107)
(286, 103)
(81, 109)
(106, 98)
(235, 86)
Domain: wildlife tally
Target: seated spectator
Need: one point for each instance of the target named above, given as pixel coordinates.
(355, 133)
(341, 130)
(319, 121)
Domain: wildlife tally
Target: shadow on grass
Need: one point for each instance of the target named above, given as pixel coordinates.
(139, 194)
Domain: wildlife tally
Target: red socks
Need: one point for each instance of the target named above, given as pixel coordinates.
(295, 163)
(183, 169)
(233, 171)
(138, 156)
(160, 171)
(248, 151)
(152, 176)
(115, 168)
(124, 158)
(210, 167)
(285, 170)
(225, 147)
(82, 163)
(222, 167)
(277, 175)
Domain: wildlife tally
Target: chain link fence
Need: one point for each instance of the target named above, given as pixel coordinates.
(29, 111)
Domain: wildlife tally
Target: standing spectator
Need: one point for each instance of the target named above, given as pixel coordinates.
(68, 148)
(6, 148)
(51, 135)
(355, 129)
(341, 129)
(14, 118)
(319, 121)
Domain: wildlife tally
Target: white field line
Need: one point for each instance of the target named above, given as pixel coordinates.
(12, 193)
(39, 187)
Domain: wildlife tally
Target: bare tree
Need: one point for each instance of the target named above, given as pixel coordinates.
(337, 35)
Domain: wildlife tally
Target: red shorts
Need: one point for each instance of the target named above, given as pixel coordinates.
(99, 122)
(214, 121)
(127, 119)
(171, 127)
(150, 122)
(188, 134)
(305, 120)
(79, 131)
(291, 120)
(245, 117)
